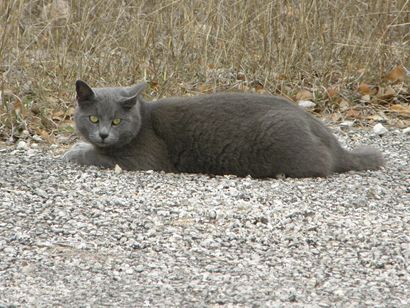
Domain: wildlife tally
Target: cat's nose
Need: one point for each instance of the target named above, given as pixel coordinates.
(103, 135)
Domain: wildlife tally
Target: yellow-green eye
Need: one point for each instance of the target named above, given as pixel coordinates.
(93, 119)
(116, 121)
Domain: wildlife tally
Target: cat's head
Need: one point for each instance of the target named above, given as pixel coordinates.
(108, 117)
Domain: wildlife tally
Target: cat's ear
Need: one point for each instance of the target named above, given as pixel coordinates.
(134, 92)
(84, 92)
(136, 89)
(129, 102)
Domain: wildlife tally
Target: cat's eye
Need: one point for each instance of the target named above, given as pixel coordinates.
(116, 121)
(93, 119)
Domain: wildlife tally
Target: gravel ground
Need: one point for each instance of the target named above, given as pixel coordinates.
(73, 236)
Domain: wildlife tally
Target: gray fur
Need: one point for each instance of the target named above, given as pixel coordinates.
(226, 133)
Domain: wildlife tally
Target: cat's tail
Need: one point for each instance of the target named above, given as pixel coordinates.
(363, 158)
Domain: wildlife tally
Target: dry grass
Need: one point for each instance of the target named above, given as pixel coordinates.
(186, 47)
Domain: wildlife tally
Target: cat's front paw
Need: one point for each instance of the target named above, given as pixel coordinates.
(85, 154)
(77, 152)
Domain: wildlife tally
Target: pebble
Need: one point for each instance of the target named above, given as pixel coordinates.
(379, 129)
(304, 104)
(9, 250)
(22, 145)
(37, 138)
(346, 124)
(139, 268)
(365, 98)
(97, 237)
(117, 169)
(406, 130)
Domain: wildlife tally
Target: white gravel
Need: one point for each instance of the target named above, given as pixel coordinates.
(73, 236)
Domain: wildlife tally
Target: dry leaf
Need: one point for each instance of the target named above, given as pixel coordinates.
(154, 85)
(366, 89)
(58, 115)
(376, 118)
(397, 74)
(363, 89)
(343, 104)
(332, 91)
(353, 114)
(18, 106)
(404, 110)
(257, 85)
(386, 94)
(335, 117)
(304, 95)
(19, 110)
(44, 135)
(204, 88)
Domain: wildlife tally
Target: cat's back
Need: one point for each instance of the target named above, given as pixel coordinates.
(221, 106)
(226, 100)
(218, 117)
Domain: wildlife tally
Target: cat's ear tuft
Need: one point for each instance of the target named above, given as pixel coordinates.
(84, 92)
(128, 103)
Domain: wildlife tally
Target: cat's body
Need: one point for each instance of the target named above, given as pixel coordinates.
(227, 133)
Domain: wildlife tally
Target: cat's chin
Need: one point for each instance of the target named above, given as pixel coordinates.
(107, 146)
(103, 145)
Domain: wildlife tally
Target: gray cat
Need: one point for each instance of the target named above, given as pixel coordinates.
(226, 133)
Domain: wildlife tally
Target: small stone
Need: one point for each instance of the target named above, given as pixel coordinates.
(31, 152)
(365, 98)
(37, 138)
(339, 293)
(22, 145)
(212, 215)
(117, 169)
(28, 268)
(63, 139)
(379, 129)
(139, 268)
(346, 124)
(40, 192)
(9, 250)
(344, 105)
(306, 104)
(24, 134)
(406, 131)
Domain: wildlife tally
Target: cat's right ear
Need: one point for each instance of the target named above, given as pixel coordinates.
(84, 92)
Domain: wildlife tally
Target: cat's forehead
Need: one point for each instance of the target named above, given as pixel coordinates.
(105, 102)
(110, 94)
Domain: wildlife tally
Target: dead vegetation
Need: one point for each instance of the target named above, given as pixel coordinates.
(348, 57)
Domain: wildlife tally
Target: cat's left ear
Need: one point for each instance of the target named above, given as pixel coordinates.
(137, 89)
(134, 91)
(129, 102)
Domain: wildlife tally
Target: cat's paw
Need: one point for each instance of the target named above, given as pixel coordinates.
(77, 152)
